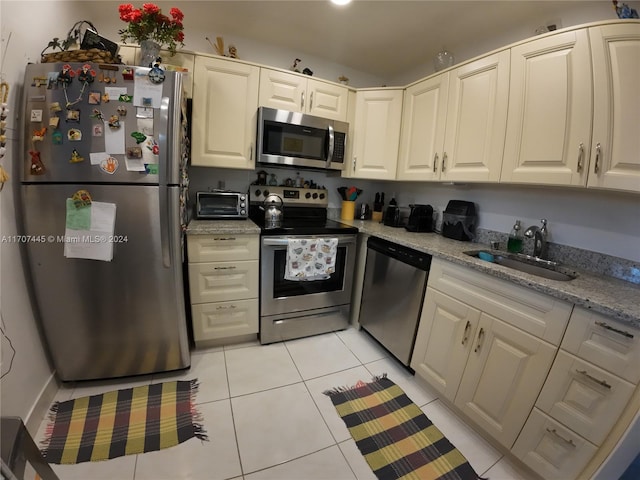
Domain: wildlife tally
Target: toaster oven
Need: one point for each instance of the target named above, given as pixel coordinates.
(222, 205)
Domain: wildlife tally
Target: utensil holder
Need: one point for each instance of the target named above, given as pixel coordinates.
(348, 211)
(376, 216)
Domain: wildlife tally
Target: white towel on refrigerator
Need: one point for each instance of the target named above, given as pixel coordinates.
(310, 258)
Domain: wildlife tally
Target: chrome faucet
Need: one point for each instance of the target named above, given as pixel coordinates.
(539, 235)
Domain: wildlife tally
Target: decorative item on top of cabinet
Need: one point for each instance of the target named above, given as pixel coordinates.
(296, 93)
(223, 282)
(453, 124)
(224, 115)
(376, 134)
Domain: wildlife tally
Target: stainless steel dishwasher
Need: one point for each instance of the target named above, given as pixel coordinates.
(395, 281)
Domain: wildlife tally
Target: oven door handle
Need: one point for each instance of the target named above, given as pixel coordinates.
(332, 143)
(283, 242)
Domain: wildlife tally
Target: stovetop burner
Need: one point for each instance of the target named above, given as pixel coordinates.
(304, 212)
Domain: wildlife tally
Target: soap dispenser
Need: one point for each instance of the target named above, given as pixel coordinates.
(516, 238)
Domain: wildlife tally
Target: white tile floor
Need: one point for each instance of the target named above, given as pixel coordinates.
(267, 418)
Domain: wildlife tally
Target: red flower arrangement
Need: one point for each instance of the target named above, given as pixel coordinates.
(148, 23)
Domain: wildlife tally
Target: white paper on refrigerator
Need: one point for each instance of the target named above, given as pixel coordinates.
(96, 243)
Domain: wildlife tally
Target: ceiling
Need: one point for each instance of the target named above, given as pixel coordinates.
(382, 38)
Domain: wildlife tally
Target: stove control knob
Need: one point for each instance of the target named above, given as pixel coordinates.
(242, 205)
(315, 195)
(266, 193)
(321, 196)
(258, 192)
(242, 211)
(308, 195)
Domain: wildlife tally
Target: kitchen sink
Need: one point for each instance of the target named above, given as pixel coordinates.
(525, 263)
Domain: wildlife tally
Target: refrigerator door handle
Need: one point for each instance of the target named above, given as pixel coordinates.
(165, 241)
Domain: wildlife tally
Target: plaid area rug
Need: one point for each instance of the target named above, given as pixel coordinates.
(395, 437)
(122, 422)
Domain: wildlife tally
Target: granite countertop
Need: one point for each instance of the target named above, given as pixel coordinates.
(225, 227)
(607, 295)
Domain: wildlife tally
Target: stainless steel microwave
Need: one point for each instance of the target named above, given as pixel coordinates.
(222, 205)
(295, 139)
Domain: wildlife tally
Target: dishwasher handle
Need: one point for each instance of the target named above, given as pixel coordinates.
(419, 260)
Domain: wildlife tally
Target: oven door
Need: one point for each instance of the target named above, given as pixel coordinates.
(278, 296)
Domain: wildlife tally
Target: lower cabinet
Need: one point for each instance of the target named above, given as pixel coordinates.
(480, 344)
(223, 283)
(550, 449)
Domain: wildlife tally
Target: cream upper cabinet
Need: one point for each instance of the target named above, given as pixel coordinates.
(615, 146)
(550, 111)
(476, 120)
(453, 125)
(376, 134)
(298, 93)
(424, 114)
(224, 113)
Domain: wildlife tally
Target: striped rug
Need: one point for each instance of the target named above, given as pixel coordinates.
(395, 437)
(122, 422)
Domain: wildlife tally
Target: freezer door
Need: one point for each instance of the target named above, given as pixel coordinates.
(110, 319)
(64, 123)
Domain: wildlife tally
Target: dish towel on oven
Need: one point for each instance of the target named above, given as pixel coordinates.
(310, 258)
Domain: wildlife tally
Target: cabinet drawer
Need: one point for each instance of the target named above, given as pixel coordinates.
(223, 281)
(224, 319)
(612, 345)
(550, 449)
(222, 248)
(583, 397)
(535, 313)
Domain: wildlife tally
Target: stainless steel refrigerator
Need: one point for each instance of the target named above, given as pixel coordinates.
(119, 135)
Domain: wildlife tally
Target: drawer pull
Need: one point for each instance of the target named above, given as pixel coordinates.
(594, 379)
(612, 329)
(480, 337)
(224, 268)
(229, 307)
(580, 156)
(435, 163)
(465, 335)
(222, 239)
(553, 432)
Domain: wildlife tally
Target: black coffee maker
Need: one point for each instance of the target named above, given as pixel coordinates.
(420, 219)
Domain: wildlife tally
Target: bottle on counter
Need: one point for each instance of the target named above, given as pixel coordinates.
(516, 238)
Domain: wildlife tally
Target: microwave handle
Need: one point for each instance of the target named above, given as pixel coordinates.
(332, 142)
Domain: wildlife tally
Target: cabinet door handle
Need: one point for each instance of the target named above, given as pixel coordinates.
(580, 156)
(435, 163)
(444, 161)
(615, 330)
(354, 163)
(553, 432)
(594, 379)
(596, 167)
(465, 335)
(302, 101)
(229, 307)
(222, 239)
(311, 101)
(480, 337)
(224, 268)
(251, 152)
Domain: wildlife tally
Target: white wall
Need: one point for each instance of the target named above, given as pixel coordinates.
(30, 372)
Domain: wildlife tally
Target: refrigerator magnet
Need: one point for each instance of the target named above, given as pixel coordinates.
(122, 110)
(105, 98)
(74, 135)
(76, 157)
(56, 137)
(38, 135)
(109, 165)
(97, 130)
(37, 167)
(55, 107)
(134, 152)
(114, 122)
(97, 114)
(54, 121)
(94, 98)
(73, 116)
(140, 137)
